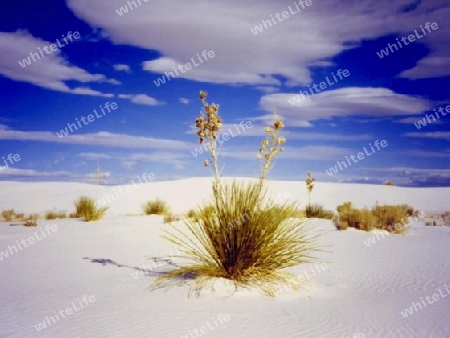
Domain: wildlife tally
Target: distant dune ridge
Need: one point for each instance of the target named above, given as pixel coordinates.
(184, 194)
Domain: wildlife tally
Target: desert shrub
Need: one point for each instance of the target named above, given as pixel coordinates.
(30, 223)
(86, 208)
(170, 217)
(156, 207)
(32, 217)
(389, 217)
(8, 215)
(242, 235)
(317, 211)
(55, 214)
(19, 216)
(51, 215)
(73, 215)
(389, 183)
(392, 217)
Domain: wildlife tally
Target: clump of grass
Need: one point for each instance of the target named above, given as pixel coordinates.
(8, 215)
(170, 217)
(86, 208)
(242, 235)
(388, 217)
(156, 207)
(55, 214)
(317, 211)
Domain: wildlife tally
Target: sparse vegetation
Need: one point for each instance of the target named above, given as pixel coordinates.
(8, 215)
(317, 211)
(86, 208)
(55, 214)
(156, 207)
(242, 235)
(30, 223)
(170, 217)
(391, 218)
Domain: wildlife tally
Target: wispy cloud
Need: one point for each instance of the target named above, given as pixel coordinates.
(102, 139)
(50, 72)
(351, 101)
(142, 99)
(443, 135)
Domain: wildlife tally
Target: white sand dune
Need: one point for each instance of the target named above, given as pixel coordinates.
(361, 293)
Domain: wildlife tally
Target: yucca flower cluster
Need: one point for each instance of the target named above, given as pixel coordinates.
(209, 124)
(270, 146)
(309, 186)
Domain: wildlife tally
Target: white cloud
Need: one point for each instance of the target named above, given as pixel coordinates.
(123, 68)
(346, 102)
(288, 49)
(14, 172)
(444, 135)
(102, 139)
(51, 71)
(184, 100)
(130, 160)
(142, 99)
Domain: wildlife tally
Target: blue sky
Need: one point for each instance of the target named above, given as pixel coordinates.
(118, 58)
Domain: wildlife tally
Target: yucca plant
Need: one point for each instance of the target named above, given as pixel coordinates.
(86, 208)
(242, 236)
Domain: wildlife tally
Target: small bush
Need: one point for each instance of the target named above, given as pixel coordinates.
(156, 207)
(389, 217)
(73, 215)
(8, 215)
(55, 214)
(30, 223)
(170, 217)
(19, 216)
(316, 211)
(86, 208)
(32, 217)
